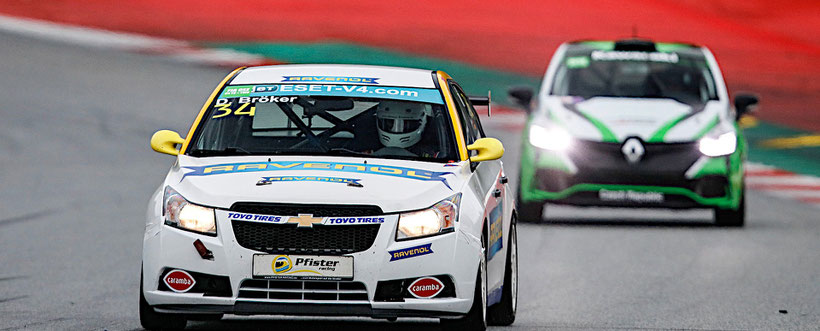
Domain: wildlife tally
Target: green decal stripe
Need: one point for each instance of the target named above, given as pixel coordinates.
(474, 79)
(722, 202)
(606, 134)
(599, 44)
(714, 166)
(711, 125)
(658, 136)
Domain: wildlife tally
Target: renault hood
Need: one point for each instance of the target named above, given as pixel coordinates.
(393, 185)
(611, 119)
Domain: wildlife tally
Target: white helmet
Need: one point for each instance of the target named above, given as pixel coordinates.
(400, 123)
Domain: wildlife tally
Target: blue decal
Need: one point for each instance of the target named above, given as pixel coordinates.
(268, 180)
(495, 296)
(363, 80)
(375, 169)
(254, 217)
(364, 91)
(409, 252)
(355, 220)
(496, 231)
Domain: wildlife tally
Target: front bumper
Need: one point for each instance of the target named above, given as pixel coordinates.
(455, 256)
(597, 174)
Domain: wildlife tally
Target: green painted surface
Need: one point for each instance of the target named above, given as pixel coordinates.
(714, 166)
(708, 127)
(805, 160)
(538, 195)
(475, 80)
(658, 136)
(606, 133)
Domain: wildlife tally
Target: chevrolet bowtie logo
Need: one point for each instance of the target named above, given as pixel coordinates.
(305, 220)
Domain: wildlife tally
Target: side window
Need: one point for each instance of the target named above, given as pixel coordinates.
(469, 119)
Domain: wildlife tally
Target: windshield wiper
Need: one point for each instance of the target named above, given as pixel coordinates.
(345, 151)
(227, 151)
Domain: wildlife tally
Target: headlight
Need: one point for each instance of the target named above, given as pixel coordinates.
(723, 144)
(553, 138)
(182, 214)
(440, 218)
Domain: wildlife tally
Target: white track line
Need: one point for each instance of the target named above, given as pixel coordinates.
(103, 39)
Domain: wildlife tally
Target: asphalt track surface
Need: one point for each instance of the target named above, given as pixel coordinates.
(76, 172)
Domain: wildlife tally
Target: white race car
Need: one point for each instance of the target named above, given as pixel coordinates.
(332, 190)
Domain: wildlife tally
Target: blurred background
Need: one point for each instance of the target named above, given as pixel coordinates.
(86, 82)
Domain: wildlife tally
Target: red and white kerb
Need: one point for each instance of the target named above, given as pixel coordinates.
(179, 281)
(426, 287)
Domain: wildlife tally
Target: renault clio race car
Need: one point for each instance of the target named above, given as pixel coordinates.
(332, 190)
(633, 123)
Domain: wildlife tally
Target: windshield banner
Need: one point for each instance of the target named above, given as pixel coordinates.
(359, 91)
(374, 169)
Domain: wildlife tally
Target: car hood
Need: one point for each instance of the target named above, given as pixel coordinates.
(393, 185)
(612, 119)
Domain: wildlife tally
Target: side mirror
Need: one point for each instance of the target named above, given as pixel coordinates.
(522, 96)
(745, 103)
(165, 141)
(487, 148)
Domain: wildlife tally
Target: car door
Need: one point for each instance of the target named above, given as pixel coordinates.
(486, 179)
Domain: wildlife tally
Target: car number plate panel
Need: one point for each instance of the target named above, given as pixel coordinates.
(284, 266)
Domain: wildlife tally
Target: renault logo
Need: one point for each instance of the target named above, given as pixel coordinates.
(633, 150)
(305, 220)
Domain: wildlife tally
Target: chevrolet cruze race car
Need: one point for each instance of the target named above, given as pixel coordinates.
(633, 123)
(332, 190)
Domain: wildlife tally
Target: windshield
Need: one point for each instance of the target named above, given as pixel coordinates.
(683, 77)
(349, 120)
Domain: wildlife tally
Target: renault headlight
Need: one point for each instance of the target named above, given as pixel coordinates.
(718, 145)
(554, 138)
(182, 214)
(440, 218)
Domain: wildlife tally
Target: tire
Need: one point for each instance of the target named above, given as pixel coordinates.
(732, 217)
(152, 320)
(503, 313)
(528, 212)
(476, 318)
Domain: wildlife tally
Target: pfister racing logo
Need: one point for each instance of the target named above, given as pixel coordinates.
(373, 169)
(424, 288)
(179, 281)
(409, 252)
(362, 80)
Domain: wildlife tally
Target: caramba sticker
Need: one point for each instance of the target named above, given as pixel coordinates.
(634, 56)
(404, 253)
(362, 80)
(373, 169)
(496, 230)
(269, 180)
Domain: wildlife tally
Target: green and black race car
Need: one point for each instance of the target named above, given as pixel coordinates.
(633, 123)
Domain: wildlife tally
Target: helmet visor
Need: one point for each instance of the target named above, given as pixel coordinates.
(398, 125)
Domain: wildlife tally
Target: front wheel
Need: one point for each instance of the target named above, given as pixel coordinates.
(528, 212)
(476, 318)
(152, 320)
(732, 217)
(503, 313)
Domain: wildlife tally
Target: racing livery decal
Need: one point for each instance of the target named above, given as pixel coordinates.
(179, 281)
(496, 233)
(363, 80)
(305, 220)
(269, 180)
(426, 287)
(249, 93)
(409, 252)
(302, 266)
(375, 169)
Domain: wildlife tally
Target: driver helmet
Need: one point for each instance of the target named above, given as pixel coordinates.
(400, 123)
